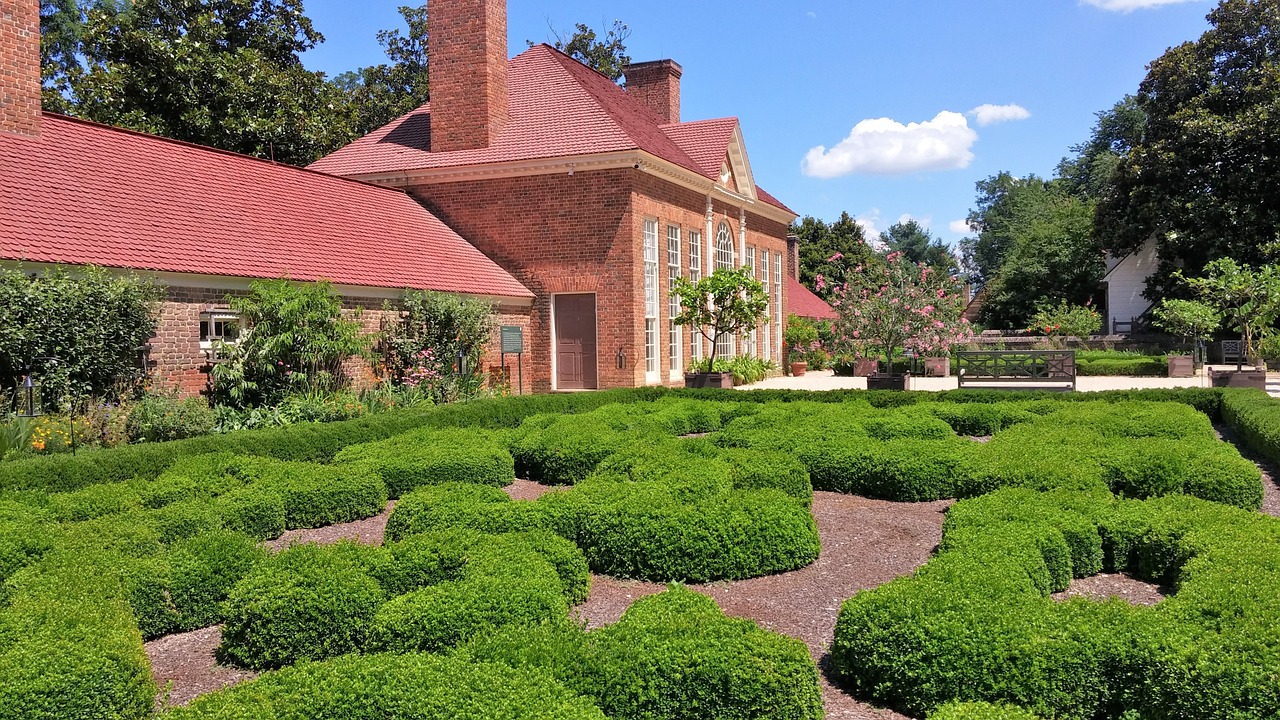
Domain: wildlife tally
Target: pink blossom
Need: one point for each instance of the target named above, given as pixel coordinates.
(820, 282)
(835, 257)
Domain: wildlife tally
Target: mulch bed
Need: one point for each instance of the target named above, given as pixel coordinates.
(1107, 586)
(184, 667)
(1270, 472)
(369, 531)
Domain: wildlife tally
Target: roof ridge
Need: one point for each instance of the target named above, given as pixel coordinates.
(215, 151)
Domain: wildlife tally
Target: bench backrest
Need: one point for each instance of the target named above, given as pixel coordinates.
(1047, 365)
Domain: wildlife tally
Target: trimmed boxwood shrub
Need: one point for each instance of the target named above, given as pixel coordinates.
(907, 470)
(433, 457)
(26, 534)
(395, 687)
(1255, 415)
(975, 623)
(672, 656)
(556, 450)
(980, 419)
(757, 470)
(307, 603)
(317, 495)
(981, 711)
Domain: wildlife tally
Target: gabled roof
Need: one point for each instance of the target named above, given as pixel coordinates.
(803, 302)
(83, 193)
(559, 108)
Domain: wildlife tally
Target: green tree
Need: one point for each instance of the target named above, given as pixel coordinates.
(820, 244)
(1035, 244)
(608, 55)
(227, 73)
(382, 93)
(81, 334)
(725, 302)
(1247, 297)
(917, 245)
(1201, 182)
(296, 340)
(1118, 130)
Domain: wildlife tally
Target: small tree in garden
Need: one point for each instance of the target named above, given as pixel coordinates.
(1191, 320)
(1249, 298)
(725, 302)
(799, 334)
(899, 305)
(423, 348)
(295, 341)
(1064, 320)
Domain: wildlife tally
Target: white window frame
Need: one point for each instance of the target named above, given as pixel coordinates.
(767, 351)
(651, 300)
(777, 304)
(695, 274)
(210, 338)
(726, 347)
(675, 340)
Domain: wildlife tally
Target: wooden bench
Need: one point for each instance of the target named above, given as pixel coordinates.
(1018, 369)
(1232, 352)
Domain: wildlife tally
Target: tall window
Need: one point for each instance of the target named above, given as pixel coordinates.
(724, 259)
(675, 346)
(777, 302)
(724, 247)
(752, 337)
(651, 298)
(695, 274)
(767, 351)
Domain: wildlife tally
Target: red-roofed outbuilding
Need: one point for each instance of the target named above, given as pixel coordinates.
(592, 196)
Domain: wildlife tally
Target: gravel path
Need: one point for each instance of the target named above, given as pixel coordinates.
(1270, 471)
(184, 668)
(366, 532)
(1106, 586)
(865, 543)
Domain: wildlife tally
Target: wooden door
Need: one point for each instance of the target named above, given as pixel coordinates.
(575, 318)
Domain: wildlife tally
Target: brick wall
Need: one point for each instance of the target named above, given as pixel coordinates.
(175, 360)
(467, 41)
(657, 85)
(20, 67)
(584, 234)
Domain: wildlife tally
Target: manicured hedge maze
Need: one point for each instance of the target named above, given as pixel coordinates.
(464, 611)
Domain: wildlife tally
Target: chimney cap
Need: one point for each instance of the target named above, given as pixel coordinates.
(670, 66)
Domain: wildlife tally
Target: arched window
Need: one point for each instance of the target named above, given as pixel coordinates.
(724, 247)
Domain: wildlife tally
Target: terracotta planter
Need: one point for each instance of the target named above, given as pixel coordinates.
(798, 369)
(937, 366)
(1181, 366)
(721, 380)
(888, 381)
(1256, 379)
(865, 368)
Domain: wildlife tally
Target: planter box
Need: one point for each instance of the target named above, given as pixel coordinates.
(1181, 366)
(1256, 379)
(888, 381)
(937, 366)
(721, 380)
(798, 369)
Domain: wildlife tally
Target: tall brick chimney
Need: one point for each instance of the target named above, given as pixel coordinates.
(657, 85)
(467, 45)
(20, 67)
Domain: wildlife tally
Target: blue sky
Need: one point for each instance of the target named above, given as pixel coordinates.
(827, 90)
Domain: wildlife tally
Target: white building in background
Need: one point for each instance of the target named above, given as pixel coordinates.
(1125, 281)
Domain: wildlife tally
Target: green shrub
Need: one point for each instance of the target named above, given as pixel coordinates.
(202, 572)
(433, 457)
(756, 470)
(94, 501)
(443, 506)
(307, 603)
(906, 470)
(397, 687)
(562, 451)
(673, 656)
(1134, 367)
(316, 495)
(979, 419)
(258, 512)
(980, 711)
(162, 417)
(1256, 417)
(26, 534)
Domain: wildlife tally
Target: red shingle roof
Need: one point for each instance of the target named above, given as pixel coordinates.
(559, 108)
(802, 302)
(83, 193)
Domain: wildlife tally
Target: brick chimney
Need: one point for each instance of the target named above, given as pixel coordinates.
(20, 67)
(657, 85)
(467, 44)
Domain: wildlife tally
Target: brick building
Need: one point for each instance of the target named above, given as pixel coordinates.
(592, 197)
(204, 223)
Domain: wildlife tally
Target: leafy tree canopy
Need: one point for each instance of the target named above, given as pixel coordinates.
(820, 242)
(224, 73)
(1118, 130)
(608, 55)
(1201, 181)
(918, 245)
(382, 93)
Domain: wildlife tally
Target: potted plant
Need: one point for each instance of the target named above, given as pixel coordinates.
(725, 302)
(1194, 322)
(895, 307)
(798, 335)
(1249, 300)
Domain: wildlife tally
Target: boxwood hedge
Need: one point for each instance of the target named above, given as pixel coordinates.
(432, 457)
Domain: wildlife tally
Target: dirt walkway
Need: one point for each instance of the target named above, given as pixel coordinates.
(1270, 471)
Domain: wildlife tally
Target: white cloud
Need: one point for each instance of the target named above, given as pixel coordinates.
(959, 227)
(925, 222)
(1128, 6)
(887, 147)
(812, 14)
(990, 114)
(870, 222)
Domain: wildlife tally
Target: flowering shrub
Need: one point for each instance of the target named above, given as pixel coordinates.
(424, 370)
(898, 306)
(1065, 320)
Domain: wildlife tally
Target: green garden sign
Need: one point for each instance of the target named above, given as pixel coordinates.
(513, 342)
